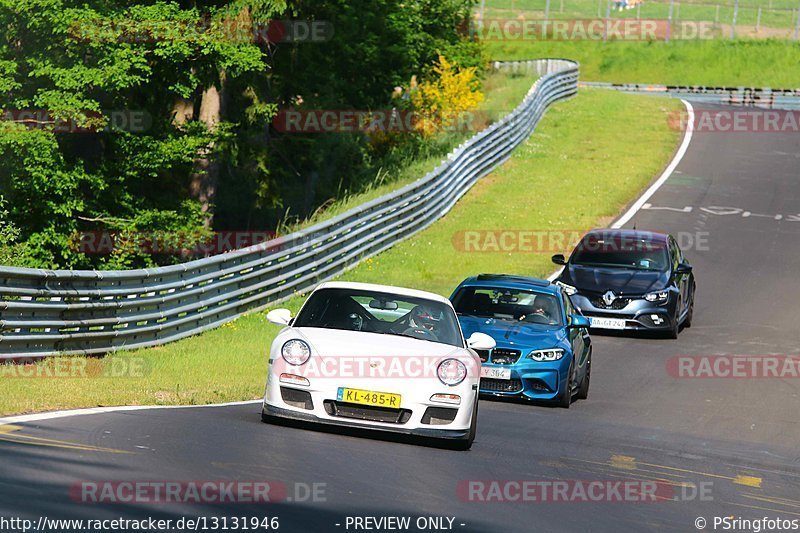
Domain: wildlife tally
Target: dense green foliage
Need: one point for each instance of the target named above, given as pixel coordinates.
(155, 116)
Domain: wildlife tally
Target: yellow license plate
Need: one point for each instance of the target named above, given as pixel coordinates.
(365, 397)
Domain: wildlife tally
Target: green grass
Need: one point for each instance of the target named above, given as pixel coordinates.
(577, 171)
(751, 63)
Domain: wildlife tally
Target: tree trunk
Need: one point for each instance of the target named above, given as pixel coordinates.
(203, 185)
(182, 111)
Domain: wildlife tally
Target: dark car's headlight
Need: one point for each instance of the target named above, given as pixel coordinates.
(295, 352)
(658, 296)
(546, 355)
(569, 289)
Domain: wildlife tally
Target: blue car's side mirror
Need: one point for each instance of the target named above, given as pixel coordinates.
(579, 321)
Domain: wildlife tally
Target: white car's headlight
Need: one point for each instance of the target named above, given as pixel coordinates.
(546, 355)
(451, 372)
(658, 296)
(569, 289)
(295, 352)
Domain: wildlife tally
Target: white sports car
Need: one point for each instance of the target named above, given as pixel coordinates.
(377, 357)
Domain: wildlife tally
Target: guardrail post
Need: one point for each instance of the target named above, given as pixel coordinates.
(758, 21)
(669, 20)
(733, 22)
(797, 25)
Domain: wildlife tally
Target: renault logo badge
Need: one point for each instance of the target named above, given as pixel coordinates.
(609, 297)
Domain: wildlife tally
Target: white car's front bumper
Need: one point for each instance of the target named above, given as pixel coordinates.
(417, 415)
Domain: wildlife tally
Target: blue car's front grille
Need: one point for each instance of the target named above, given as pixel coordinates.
(504, 356)
(483, 354)
(500, 385)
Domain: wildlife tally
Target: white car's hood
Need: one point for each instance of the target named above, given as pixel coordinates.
(341, 343)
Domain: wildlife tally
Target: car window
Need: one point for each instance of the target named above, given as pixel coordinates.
(675, 252)
(678, 251)
(613, 252)
(568, 307)
(501, 303)
(380, 312)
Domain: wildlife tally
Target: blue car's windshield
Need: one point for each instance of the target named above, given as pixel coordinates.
(517, 305)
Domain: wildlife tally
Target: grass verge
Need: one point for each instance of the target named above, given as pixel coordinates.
(750, 63)
(577, 171)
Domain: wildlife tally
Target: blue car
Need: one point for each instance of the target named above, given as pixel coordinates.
(543, 350)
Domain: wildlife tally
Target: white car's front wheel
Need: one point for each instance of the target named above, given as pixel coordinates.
(466, 444)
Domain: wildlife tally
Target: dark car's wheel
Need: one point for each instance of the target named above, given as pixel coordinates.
(687, 322)
(672, 332)
(583, 389)
(564, 398)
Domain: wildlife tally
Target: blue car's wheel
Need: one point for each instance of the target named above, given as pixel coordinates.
(564, 398)
(583, 389)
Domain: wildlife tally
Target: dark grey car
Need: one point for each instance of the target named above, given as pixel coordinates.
(630, 280)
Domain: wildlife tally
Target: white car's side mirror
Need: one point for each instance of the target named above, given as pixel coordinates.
(481, 341)
(282, 317)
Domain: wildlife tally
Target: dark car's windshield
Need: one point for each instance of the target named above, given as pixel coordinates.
(379, 312)
(509, 304)
(621, 252)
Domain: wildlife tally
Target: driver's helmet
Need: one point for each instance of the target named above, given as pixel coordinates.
(425, 318)
(544, 305)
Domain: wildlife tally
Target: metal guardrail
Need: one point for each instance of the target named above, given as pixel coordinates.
(61, 312)
(761, 97)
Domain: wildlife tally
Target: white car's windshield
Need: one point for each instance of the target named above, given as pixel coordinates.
(379, 312)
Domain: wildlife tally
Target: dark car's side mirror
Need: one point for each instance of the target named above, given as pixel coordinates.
(579, 321)
(683, 268)
(559, 259)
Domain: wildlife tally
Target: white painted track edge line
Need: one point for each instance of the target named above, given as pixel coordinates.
(687, 139)
(50, 415)
(637, 205)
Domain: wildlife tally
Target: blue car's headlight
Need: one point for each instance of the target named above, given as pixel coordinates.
(553, 354)
(658, 296)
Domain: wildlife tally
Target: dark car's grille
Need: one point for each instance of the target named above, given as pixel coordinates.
(501, 385)
(483, 354)
(367, 412)
(619, 303)
(504, 356)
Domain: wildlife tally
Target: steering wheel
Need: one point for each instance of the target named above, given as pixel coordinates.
(415, 332)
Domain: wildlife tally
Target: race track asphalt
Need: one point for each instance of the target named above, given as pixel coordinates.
(733, 202)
